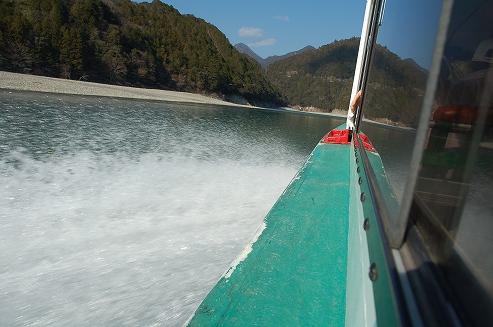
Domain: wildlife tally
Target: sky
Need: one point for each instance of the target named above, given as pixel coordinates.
(409, 29)
(276, 27)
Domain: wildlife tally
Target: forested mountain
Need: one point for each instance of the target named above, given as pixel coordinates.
(396, 88)
(318, 78)
(153, 45)
(272, 59)
(322, 78)
(122, 42)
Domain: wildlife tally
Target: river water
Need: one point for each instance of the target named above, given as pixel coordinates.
(119, 212)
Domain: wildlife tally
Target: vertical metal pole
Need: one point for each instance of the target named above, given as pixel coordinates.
(359, 62)
(373, 18)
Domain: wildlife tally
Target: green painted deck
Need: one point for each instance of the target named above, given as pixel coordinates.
(294, 274)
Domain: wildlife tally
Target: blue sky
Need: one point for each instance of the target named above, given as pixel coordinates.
(409, 29)
(276, 27)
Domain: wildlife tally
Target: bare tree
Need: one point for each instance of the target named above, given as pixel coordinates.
(18, 56)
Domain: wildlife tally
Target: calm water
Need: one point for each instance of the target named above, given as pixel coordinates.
(122, 212)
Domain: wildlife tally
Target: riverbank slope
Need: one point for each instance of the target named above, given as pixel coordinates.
(24, 82)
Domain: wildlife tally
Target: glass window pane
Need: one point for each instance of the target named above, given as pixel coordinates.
(454, 194)
(397, 82)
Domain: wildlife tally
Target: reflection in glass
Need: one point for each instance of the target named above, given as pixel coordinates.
(397, 76)
(454, 193)
(402, 56)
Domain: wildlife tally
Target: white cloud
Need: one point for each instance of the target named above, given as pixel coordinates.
(263, 43)
(283, 18)
(250, 32)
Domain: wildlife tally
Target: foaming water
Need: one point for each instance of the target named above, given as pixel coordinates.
(119, 212)
(108, 241)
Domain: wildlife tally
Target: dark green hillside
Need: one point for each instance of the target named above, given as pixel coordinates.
(122, 42)
(322, 78)
(397, 87)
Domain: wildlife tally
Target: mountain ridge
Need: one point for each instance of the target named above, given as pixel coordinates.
(264, 63)
(321, 80)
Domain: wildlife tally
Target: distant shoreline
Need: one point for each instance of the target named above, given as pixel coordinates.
(25, 82)
(35, 83)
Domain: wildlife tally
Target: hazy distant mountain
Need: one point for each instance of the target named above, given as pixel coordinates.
(243, 48)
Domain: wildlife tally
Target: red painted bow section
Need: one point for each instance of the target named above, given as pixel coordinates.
(341, 136)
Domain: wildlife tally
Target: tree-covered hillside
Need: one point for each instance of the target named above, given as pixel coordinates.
(322, 78)
(122, 42)
(395, 88)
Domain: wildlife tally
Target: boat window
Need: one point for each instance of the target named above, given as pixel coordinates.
(397, 80)
(453, 200)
